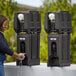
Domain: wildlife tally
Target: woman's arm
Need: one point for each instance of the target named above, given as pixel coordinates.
(6, 50)
(19, 56)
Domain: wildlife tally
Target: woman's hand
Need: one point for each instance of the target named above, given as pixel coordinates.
(19, 56)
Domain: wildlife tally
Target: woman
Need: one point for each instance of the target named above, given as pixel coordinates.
(4, 48)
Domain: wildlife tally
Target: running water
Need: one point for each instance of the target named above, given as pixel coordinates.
(20, 68)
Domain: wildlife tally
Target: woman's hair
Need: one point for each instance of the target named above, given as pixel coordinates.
(2, 19)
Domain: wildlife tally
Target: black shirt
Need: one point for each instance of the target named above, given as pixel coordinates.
(4, 48)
